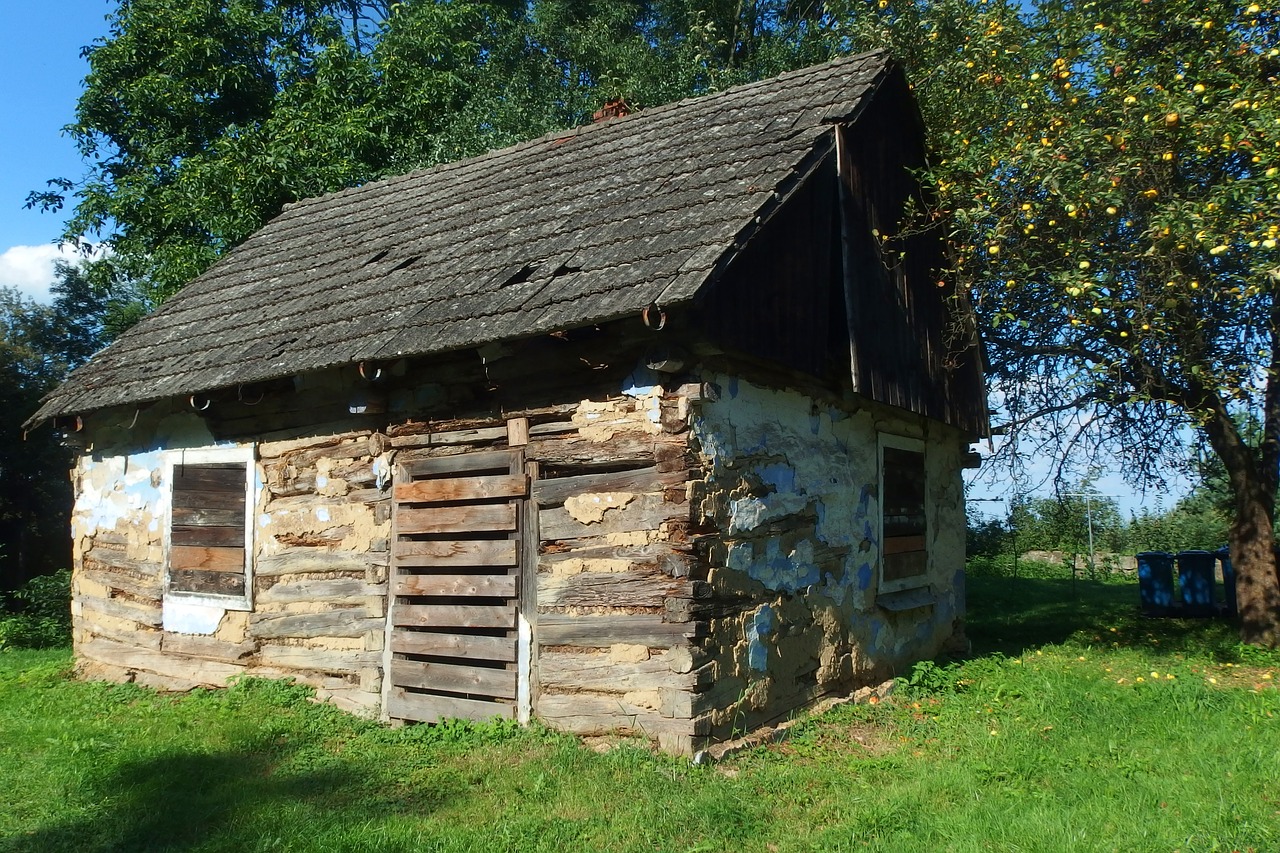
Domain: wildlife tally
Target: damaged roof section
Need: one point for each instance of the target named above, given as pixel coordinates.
(575, 228)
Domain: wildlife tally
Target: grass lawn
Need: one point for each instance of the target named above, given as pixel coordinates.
(1077, 726)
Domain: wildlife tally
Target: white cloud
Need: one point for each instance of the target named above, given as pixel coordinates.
(29, 269)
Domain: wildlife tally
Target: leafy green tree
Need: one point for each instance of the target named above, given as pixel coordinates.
(1109, 173)
(38, 345)
(174, 126)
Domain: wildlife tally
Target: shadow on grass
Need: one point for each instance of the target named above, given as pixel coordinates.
(233, 801)
(1011, 615)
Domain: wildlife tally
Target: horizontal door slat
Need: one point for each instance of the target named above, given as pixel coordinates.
(471, 585)
(486, 460)
(455, 615)
(227, 478)
(425, 708)
(478, 552)
(207, 559)
(468, 646)
(456, 519)
(463, 489)
(902, 544)
(210, 500)
(483, 681)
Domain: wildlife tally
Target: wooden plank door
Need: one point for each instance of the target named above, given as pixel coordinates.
(455, 581)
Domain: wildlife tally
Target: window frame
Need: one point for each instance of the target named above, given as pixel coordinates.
(245, 454)
(914, 445)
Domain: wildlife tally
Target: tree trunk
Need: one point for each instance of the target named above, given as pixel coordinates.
(1257, 586)
(1252, 532)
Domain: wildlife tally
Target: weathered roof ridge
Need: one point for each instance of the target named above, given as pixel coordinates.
(598, 222)
(704, 100)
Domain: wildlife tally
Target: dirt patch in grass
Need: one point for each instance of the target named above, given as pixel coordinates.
(874, 739)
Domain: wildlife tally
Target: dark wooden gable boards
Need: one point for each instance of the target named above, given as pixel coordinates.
(913, 344)
(820, 286)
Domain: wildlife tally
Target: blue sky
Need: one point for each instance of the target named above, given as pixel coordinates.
(40, 78)
(40, 75)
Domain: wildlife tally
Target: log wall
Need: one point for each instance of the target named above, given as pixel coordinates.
(704, 560)
(610, 584)
(319, 568)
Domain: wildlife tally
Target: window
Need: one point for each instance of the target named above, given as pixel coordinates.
(904, 562)
(210, 543)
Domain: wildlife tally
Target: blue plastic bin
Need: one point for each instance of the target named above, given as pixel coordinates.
(1155, 582)
(1228, 580)
(1195, 581)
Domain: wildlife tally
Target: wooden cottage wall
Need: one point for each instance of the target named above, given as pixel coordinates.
(913, 342)
(780, 301)
(615, 584)
(612, 591)
(320, 552)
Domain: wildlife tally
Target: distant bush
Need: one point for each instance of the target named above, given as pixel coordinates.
(1004, 566)
(38, 614)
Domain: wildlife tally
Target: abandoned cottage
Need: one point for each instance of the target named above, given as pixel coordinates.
(655, 426)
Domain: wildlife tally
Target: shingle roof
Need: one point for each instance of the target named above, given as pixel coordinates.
(574, 228)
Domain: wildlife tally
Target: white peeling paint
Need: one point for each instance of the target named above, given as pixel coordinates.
(183, 617)
(382, 471)
(115, 489)
(806, 459)
(524, 655)
(795, 486)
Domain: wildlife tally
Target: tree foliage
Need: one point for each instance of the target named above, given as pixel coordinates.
(38, 345)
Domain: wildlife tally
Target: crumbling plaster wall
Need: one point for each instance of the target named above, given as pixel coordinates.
(790, 489)
(675, 601)
(320, 551)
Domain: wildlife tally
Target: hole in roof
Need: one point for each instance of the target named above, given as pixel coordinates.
(521, 275)
(564, 269)
(406, 263)
(379, 256)
(282, 347)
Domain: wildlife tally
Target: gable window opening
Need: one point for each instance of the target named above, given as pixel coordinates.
(210, 533)
(904, 559)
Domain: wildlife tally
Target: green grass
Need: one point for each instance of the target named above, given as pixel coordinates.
(1077, 726)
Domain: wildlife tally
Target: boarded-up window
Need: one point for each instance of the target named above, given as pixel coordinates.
(903, 558)
(208, 533)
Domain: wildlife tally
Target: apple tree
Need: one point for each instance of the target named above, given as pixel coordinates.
(1116, 213)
